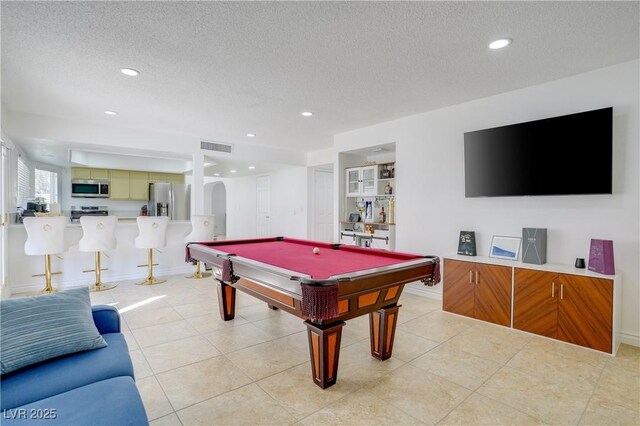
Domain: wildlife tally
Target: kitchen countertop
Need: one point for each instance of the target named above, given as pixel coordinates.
(122, 221)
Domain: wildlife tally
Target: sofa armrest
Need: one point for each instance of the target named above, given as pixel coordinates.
(107, 319)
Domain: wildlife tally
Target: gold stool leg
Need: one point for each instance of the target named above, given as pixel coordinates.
(99, 286)
(150, 280)
(48, 288)
(197, 274)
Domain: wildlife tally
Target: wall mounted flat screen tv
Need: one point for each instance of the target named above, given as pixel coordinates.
(566, 155)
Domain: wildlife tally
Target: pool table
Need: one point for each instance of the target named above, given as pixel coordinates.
(325, 289)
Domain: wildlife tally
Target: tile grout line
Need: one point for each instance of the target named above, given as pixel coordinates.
(593, 391)
(503, 402)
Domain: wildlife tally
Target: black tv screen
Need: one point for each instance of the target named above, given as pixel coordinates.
(567, 155)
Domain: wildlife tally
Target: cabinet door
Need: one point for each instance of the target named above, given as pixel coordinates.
(119, 184)
(80, 173)
(585, 311)
(493, 294)
(99, 174)
(158, 177)
(458, 292)
(175, 178)
(535, 304)
(369, 180)
(353, 177)
(139, 186)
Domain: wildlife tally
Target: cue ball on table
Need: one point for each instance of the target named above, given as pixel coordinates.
(316, 250)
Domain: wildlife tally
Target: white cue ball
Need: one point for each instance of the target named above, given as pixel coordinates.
(316, 250)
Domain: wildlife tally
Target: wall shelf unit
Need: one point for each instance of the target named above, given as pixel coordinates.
(370, 192)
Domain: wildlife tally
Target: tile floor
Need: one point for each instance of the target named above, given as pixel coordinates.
(194, 369)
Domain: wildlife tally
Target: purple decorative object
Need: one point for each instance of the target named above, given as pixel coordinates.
(601, 257)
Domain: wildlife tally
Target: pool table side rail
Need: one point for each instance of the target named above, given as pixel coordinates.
(216, 257)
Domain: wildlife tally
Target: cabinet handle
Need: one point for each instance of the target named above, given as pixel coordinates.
(470, 277)
(553, 289)
(477, 278)
(561, 291)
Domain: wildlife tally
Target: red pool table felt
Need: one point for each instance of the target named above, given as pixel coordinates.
(297, 255)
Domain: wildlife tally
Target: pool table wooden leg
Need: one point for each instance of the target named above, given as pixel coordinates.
(382, 326)
(226, 301)
(324, 348)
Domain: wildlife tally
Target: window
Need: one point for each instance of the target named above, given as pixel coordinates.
(46, 186)
(24, 183)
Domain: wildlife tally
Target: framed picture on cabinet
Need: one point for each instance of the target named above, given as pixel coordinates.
(505, 247)
(467, 243)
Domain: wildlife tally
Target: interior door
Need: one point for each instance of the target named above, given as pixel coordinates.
(263, 191)
(323, 206)
(4, 203)
(535, 302)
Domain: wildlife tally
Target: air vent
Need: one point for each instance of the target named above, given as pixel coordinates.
(214, 146)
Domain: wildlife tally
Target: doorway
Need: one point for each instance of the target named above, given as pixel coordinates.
(216, 203)
(263, 192)
(323, 205)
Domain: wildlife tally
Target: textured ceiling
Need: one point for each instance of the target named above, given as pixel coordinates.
(219, 70)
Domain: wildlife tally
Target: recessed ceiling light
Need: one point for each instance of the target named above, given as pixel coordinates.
(251, 135)
(111, 113)
(499, 44)
(252, 167)
(233, 171)
(130, 72)
(307, 114)
(216, 174)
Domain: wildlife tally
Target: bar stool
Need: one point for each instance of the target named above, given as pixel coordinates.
(45, 236)
(98, 234)
(152, 235)
(202, 230)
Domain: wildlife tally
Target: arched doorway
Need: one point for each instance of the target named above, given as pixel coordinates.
(215, 202)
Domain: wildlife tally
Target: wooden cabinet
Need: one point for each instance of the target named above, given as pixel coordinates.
(573, 308)
(100, 174)
(80, 173)
(535, 305)
(87, 173)
(165, 177)
(119, 184)
(478, 291)
(138, 186)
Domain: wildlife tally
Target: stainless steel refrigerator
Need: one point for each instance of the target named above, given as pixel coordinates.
(170, 199)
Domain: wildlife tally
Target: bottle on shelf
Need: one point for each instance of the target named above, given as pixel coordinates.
(392, 213)
(383, 216)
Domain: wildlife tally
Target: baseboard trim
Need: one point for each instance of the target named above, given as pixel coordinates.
(424, 291)
(111, 279)
(630, 338)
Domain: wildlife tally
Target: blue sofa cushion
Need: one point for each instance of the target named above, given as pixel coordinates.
(109, 402)
(35, 329)
(65, 373)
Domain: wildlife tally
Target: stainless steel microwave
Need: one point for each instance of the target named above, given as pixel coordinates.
(89, 188)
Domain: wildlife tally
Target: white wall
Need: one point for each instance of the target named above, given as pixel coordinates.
(431, 208)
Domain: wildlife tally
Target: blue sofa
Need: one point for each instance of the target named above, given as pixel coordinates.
(87, 388)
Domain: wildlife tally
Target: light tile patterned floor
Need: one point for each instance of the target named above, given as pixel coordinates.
(194, 369)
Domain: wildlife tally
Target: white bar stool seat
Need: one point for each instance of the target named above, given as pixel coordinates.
(45, 236)
(202, 230)
(98, 235)
(152, 235)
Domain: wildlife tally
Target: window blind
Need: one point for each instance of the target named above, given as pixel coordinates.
(25, 183)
